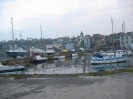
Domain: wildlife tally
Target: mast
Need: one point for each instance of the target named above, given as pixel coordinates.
(112, 31)
(20, 35)
(12, 32)
(123, 32)
(123, 27)
(41, 37)
(41, 32)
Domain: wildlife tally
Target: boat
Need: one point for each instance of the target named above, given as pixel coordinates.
(74, 55)
(109, 57)
(4, 69)
(38, 59)
(59, 57)
(35, 51)
(17, 52)
(99, 59)
(14, 51)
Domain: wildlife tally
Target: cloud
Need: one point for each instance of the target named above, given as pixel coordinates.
(65, 16)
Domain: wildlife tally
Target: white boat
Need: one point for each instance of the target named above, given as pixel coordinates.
(39, 58)
(59, 57)
(34, 50)
(108, 59)
(74, 55)
(4, 69)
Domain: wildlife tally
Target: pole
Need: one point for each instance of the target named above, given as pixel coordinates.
(12, 32)
(41, 32)
(112, 32)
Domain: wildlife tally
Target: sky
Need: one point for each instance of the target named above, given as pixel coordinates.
(61, 18)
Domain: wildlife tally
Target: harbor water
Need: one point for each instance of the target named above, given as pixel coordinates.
(74, 65)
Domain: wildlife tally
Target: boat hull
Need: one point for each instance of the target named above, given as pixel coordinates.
(108, 60)
(4, 69)
(16, 54)
(59, 57)
(39, 61)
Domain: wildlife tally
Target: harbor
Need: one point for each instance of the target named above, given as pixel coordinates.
(69, 65)
(66, 49)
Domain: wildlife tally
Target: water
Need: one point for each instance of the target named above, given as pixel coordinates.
(73, 66)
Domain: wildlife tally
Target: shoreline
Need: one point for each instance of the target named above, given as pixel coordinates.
(102, 73)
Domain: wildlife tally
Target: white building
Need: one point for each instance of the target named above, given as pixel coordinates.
(87, 41)
(126, 40)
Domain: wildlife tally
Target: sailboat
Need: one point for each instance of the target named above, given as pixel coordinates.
(107, 59)
(39, 58)
(14, 51)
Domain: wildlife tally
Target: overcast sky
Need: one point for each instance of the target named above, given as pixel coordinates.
(63, 17)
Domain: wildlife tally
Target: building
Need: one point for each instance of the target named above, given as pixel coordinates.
(87, 41)
(122, 40)
(98, 41)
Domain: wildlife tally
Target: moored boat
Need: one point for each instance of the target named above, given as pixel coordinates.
(59, 57)
(74, 55)
(18, 52)
(4, 69)
(99, 59)
(39, 59)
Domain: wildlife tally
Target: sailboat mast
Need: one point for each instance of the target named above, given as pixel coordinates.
(41, 38)
(112, 31)
(12, 32)
(123, 27)
(41, 32)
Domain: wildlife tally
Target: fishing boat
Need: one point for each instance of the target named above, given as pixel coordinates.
(4, 69)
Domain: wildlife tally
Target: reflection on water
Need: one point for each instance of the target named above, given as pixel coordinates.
(73, 66)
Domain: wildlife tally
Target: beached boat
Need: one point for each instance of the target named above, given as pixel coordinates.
(14, 51)
(99, 59)
(39, 58)
(4, 69)
(17, 52)
(59, 57)
(74, 55)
